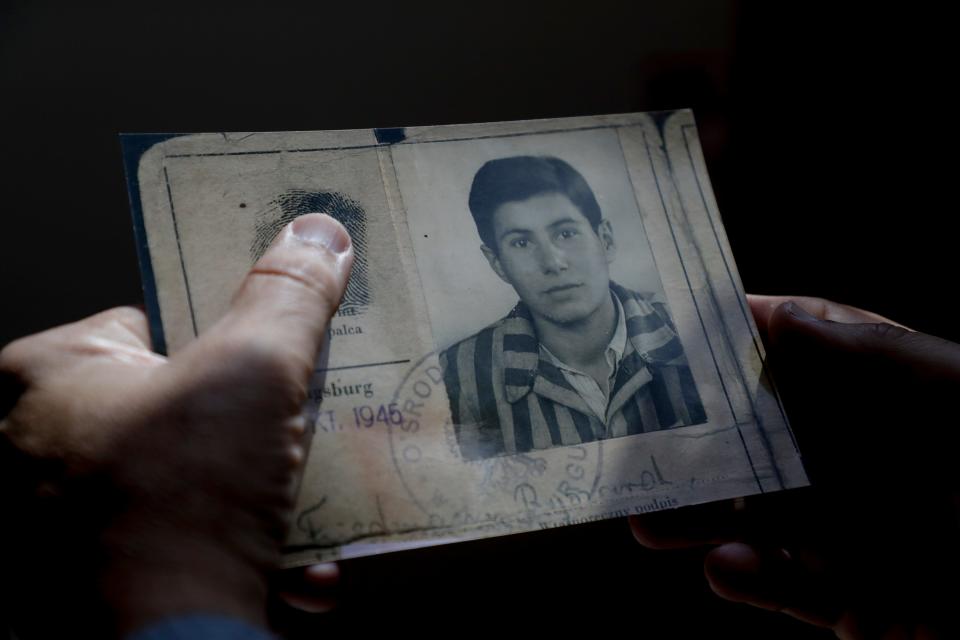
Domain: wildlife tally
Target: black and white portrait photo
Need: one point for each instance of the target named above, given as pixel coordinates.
(578, 355)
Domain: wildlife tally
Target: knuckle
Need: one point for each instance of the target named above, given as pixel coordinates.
(13, 356)
(128, 321)
(296, 293)
(129, 317)
(645, 532)
(822, 308)
(302, 268)
(885, 332)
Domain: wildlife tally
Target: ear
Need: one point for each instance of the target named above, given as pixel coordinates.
(494, 259)
(605, 233)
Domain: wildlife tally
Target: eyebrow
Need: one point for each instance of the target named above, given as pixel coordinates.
(552, 225)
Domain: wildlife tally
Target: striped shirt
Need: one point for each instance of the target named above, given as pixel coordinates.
(596, 397)
(507, 397)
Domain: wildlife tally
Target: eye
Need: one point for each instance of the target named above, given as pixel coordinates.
(519, 243)
(566, 234)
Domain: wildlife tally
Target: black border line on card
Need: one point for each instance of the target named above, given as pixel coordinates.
(133, 147)
(746, 316)
(696, 305)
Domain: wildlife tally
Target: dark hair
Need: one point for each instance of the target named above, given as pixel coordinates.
(520, 177)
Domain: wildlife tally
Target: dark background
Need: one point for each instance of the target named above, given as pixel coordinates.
(824, 132)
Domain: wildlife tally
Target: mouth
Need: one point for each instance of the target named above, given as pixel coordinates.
(561, 288)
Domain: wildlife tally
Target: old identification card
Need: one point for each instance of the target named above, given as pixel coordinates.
(544, 325)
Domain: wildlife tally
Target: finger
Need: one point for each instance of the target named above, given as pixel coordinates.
(309, 604)
(127, 325)
(121, 333)
(757, 518)
(11, 388)
(927, 357)
(311, 589)
(289, 295)
(322, 575)
(770, 578)
(691, 526)
(764, 306)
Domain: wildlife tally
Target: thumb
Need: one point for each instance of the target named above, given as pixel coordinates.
(864, 398)
(924, 356)
(287, 298)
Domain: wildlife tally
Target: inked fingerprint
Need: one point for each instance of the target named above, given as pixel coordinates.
(297, 202)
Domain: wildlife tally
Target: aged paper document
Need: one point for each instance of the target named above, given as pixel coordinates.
(544, 326)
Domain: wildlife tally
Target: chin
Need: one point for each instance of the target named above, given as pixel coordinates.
(567, 316)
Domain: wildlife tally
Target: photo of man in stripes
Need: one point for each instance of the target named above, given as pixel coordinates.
(579, 358)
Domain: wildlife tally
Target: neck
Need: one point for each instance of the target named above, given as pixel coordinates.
(579, 343)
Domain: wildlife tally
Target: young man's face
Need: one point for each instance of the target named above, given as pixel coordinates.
(547, 250)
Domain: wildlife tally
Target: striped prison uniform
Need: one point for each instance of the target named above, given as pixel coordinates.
(507, 397)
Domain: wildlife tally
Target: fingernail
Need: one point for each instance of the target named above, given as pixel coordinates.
(296, 454)
(322, 572)
(321, 230)
(798, 312)
(298, 426)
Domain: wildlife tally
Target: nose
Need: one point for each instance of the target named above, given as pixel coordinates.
(552, 258)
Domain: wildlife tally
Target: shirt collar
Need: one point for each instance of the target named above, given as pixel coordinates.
(645, 334)
(617, 344)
